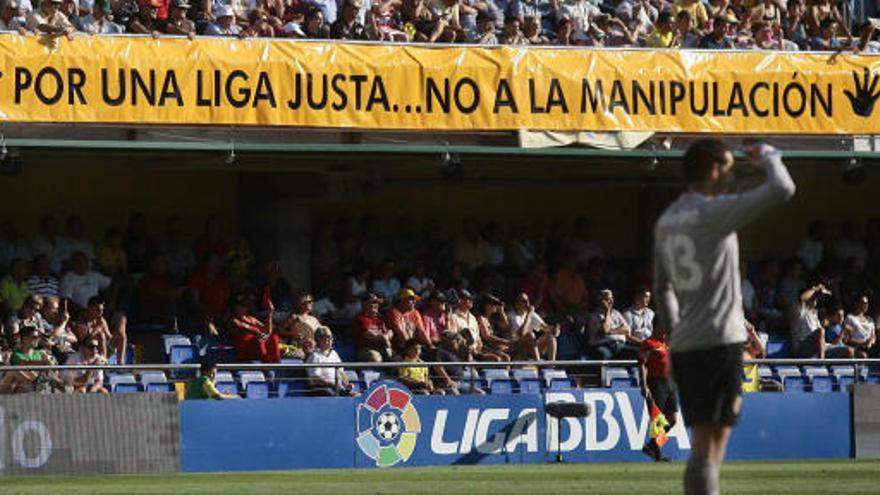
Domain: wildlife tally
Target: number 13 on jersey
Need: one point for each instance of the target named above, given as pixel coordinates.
(680, 253)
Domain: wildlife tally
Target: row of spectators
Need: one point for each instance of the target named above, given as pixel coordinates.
(492, 293)
(713, 24)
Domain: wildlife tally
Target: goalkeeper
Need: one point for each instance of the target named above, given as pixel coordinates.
(657, 390)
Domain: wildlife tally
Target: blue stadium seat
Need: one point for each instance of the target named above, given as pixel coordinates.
(183, 354)
(520, 374)
(291, 388)
(549, 375)
(159, 387)
(113, 380)
(501, 386)
(127, 388)
(148, 377)
(791, 377)
(129, 355)
(345, 350)
(247, 376)
(530, 386)
(256, 390)
(819, 378)
(491, 374)
(169, 340)
(370, 376)
(778, 349)
(618, 376)
(227, 387)
(560, 384)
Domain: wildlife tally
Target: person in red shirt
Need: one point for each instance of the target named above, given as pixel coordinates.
(210, 241)
(253, 339)
(372, 338)
(211, 287)
(405, 321)
(654, 379)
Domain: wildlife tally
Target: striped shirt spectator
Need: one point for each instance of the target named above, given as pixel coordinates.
(42, 282)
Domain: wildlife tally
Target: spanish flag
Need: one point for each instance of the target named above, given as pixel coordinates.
(659, 424)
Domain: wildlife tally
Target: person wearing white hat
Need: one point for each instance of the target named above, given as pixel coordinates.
(48, 20)
(224, 23)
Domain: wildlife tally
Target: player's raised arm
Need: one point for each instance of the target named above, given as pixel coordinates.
(734, 211)
(664, 293)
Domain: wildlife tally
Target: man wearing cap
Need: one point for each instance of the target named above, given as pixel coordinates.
(717, 39)
(224, 24)
(99, 21)
(177, 22)
(461, 319)
(372, 338)
(405, 321)
(48, 20)
(347, 26)
(147, 21)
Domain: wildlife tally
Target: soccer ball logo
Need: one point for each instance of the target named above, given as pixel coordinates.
(388, 425)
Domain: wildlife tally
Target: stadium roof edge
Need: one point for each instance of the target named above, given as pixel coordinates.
(389, 149)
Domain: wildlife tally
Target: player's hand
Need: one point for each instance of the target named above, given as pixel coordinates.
(756, 149)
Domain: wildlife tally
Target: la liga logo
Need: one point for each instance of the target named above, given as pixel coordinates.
(388, 424)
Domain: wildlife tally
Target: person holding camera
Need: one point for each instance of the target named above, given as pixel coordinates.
(807, 333)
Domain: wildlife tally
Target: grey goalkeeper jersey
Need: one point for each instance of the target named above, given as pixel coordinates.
(696, 259)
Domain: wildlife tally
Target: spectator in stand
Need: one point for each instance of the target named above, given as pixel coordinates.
(460, 319)
(640, 317)
(158, 296)
(807, 333)
(299, 328)
(608, 331)
(347, 26)
(687, 36)
(14, 288)
(253, 339)
(330, 380)
(11, 244)
(62, 338)
(446, 25)
(861, 330)
(568, 292)
(755, 349)
(532, 31)
(696, 9)
(582, 245)
(177, 248)
(471, 249)
(211, 287)
(47, 241)
(794, 25)
(27, 353)
(11, 18)
(386, 284)
(767, 11)
(111, 257)
(203, 387)
(137, 245)
(177, 21)
(49, 20)
(416, 378)
(356, 286)
(434, 317)
(280, 291)
(536, 286)
(314, 26)
(581, 13)
(224, 24)
(93, 325)
(851, 245)
(837, 335)
(99, 20)
(147, 20)
(75, 239)
(420, 282)
(868, 42)
(449, 351)
(820, 11)
(259, 25)
(372, 338)
(81, 283)
(417, 19)
(404, 320)
(663, 35)
(29, 316)
(533, 337)
(827, 40)
(616, 32)
(485, 30)
(511, 34)
(492, 323)
(87, 381)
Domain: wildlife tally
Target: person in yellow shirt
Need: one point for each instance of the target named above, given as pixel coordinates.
(699, 16)
(415, 377)
(663, 35)
(110, 256)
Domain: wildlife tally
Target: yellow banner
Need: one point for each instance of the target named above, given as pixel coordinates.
(316, 84)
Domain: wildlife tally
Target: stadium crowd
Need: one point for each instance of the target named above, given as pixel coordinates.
(494, 293)
(711, 24)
